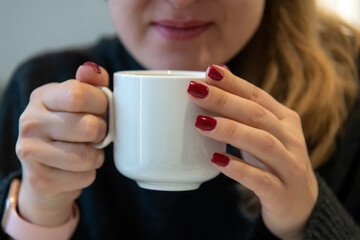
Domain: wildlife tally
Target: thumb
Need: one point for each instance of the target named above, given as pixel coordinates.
(92, 74)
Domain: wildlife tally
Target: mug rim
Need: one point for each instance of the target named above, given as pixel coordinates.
(162, 73)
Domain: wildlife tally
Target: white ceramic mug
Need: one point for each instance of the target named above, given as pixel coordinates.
(151, 122)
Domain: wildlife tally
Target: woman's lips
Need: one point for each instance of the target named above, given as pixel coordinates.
(180, 30)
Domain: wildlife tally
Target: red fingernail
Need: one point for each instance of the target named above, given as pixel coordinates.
(215, 73)
(220, 160)
(198, 90)
(94, 66)
(205, 123)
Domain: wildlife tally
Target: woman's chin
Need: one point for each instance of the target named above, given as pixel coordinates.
(176, 65)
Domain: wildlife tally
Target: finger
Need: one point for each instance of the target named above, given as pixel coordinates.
(224, 79)
(262, 145)
(74, 96)
(264, 184)
(74, 127)
(50, 181)
(71, 181)
(234, 107)
(62, 155)
(92, 74)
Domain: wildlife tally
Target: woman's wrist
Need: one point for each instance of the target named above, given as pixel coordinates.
(18, 228)
(47, 212)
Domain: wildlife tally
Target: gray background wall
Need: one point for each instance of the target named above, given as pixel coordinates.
(30, 27)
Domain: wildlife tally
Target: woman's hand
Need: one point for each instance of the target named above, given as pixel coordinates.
(256, 123)
(54, 145)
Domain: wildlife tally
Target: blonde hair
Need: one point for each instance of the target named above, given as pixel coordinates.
(308, 62)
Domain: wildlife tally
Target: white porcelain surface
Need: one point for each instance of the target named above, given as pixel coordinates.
(155, 140)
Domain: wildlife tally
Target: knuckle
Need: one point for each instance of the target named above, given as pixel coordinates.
(28, 124)
(242, 174)
(75, 96)
(89, 178)
(35, 94)
(255, 94)
(99, 159)
(264, 182)
(231, 130)
(221, 101)
(23, 151)
(231, 83)
(267, 142)
(299, 169)
(294, 116)
(83, 157)
(264, 186)
(88, 158)
(256, 115)
(94, 128)
(298, 141)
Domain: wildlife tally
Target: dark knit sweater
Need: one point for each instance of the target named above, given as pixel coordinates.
(114, 207)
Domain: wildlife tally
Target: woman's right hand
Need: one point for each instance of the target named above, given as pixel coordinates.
(56, 132)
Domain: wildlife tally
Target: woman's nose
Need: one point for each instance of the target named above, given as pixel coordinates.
(181, 3)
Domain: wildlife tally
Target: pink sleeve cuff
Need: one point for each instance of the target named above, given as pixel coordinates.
(18, 228)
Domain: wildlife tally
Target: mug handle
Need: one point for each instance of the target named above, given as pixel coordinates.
(110, 135)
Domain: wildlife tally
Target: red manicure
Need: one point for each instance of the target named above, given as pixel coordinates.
(220, 160)
(205, 123)
(94, 66)
(215, 73)
(198, 90)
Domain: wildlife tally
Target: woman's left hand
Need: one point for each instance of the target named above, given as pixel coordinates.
(256, 123)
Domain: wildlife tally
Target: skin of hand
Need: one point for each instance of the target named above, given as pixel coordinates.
(255, 122)
(54, 145)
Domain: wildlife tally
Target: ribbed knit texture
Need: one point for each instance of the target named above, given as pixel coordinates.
(329, 220)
